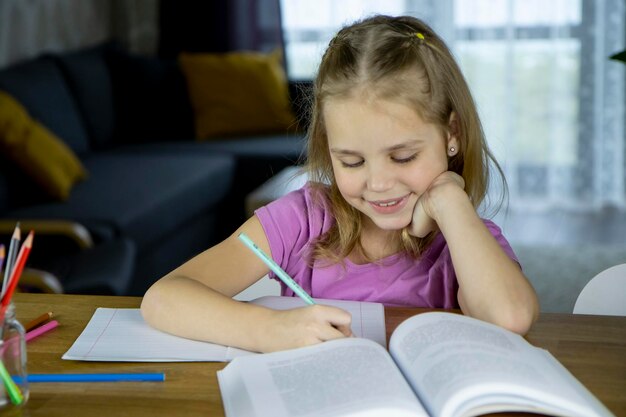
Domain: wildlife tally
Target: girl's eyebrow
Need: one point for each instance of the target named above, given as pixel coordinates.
(404, 145)
(399, 146)
(344, 151)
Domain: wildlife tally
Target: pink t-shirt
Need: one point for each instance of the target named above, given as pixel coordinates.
(295, 220)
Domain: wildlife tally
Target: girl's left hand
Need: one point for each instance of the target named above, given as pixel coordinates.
(424, 214)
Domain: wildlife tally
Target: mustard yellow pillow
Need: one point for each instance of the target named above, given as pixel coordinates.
(41, 154)
(237, 93)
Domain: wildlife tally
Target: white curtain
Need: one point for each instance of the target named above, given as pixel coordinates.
(31, 27)
(551, 101)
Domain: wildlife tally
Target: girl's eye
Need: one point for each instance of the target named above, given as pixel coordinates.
(404, 160)
(352, 165)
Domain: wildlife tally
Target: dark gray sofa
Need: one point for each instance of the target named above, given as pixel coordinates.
(154, 196)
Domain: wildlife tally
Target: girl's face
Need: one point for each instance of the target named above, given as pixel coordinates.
(384, 157)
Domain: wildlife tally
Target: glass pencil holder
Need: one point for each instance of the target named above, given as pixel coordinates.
(14, 389)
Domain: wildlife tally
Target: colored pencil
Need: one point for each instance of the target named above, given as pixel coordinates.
(15, 274)
(41, 330)
(139, 377)
(10, 260)
(280, 273)
(38, 321)
(14, 391)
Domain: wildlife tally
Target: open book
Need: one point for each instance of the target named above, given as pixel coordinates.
(121, 334)
(439, 364)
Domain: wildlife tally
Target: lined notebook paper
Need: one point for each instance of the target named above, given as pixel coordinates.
(121, 334)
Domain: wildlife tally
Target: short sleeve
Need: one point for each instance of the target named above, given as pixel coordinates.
(292, 221)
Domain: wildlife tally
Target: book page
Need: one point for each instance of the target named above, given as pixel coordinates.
(121, 334)
(458, 364)
(344, 377)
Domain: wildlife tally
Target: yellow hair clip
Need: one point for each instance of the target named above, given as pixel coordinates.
(419, 35)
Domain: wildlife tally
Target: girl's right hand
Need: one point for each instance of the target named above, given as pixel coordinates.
(421, 224)
(423, 221)
(288, 329)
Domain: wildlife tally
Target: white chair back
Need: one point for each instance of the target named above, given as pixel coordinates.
(264, 286)
(605, 294)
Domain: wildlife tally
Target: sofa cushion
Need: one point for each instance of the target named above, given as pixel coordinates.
(257, 158)
(37, 151)
(150, 98)
(88, 78)
(237, 93)
(39, 85)
(144, 197)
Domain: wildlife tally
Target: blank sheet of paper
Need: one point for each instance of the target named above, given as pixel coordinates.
(121, 334)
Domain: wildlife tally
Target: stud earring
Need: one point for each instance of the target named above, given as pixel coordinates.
(452, 151)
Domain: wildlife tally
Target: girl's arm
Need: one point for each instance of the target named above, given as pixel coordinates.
(194, 301)
(492, 286)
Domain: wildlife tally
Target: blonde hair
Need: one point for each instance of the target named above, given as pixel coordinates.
(399, 59)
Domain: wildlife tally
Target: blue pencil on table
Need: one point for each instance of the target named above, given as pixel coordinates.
(139, 377)
(280, 273)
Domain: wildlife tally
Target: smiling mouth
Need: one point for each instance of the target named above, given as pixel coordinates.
(389, 206)
(387, 203)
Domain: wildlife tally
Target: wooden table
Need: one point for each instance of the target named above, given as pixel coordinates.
(593, 348)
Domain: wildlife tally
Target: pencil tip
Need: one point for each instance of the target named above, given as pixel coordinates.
(29, 238)
(16, 232)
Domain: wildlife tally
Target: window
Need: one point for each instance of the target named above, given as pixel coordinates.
(308, 26)
(551, 102)
(522, 60)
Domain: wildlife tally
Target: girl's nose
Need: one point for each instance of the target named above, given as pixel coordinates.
(379, 179)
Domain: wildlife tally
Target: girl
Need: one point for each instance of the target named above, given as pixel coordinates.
(398, 165)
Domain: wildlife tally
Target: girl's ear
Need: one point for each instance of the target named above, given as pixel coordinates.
(453, 135)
